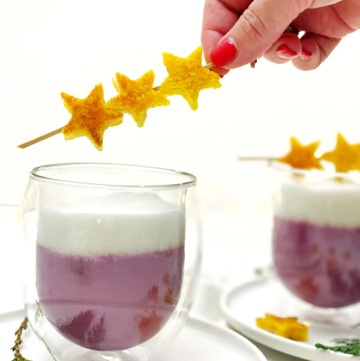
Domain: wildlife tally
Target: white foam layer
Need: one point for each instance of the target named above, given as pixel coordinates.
(122, 223)
(326, 202)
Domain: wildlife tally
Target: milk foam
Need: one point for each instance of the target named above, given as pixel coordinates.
(119, 223)
(327, 202)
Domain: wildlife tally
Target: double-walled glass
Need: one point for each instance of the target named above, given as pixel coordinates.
(111, 258)
(316, 235)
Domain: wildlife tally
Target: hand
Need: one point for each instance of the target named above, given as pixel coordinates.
(236, 32)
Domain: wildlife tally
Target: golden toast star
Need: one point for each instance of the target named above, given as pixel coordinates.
(344, 156)
(302, 156)
(187, 77)
(136, 96)
(288, 327)
(89, 116)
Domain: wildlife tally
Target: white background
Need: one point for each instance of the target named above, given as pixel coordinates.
(47, 47)
(52, 46)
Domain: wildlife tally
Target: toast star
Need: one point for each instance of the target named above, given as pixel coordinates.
(89, 116)
(288, 327)
(187, 77)
(136, 96)
(302, 156)
(344, 156)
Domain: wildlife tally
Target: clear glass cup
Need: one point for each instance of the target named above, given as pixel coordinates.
(316, 235)
(111, 258)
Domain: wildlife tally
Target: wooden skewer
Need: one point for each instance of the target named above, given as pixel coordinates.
(39, 139)
(256, 158)
(57, 131)
(209, 65)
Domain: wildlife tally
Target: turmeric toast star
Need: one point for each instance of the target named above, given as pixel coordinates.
(136, 96)
(288, 327)
(89, 116)
(344, 156)
(187, 77)
(302, 156)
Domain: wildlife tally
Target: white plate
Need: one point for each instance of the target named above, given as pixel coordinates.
(242, 304)
(198, 340)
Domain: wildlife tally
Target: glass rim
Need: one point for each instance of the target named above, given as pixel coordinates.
(286, 168)
(189, 179)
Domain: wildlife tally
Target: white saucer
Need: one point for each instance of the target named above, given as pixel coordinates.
(198, 340)
(242, 304)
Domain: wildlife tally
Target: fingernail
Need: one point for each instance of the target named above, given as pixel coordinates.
(224, 53)
(283, 52)
(305, 55)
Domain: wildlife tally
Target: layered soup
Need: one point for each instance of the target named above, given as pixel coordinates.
(109, 279)
(316, 240)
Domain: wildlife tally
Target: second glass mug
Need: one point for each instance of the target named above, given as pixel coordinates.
(111, 258)
(316, 236)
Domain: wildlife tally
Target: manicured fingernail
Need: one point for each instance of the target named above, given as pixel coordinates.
(305, 55)
(283, 52)
(224, 53)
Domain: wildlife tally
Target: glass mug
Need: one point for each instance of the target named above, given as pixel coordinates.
(316, 235)
(111, 258)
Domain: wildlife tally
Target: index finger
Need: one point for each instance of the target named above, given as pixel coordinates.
(218, 18)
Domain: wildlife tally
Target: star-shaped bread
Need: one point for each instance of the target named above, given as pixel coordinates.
(302, 156)
(187, 77)
(136, 96)
(345, 156)
(89, 116)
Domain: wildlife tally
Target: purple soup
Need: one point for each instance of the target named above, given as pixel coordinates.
(320, 264)
(109, 302)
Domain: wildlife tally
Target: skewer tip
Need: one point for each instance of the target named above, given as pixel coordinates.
(39, 139)
(256, 158)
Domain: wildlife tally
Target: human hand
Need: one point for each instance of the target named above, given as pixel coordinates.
(237, 32)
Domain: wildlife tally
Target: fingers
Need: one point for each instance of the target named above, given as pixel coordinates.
(285, 49)
(237, 32)
(306, 53)
(315, 49)
(219, 17)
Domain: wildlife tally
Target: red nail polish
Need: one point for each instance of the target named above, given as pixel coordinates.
(305, 55)
(283, 52)
(224, 53)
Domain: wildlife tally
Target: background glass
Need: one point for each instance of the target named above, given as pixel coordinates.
(316, 235)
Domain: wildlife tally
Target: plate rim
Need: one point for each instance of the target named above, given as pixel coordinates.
(195, 322)
(278, 343)
(228, 332)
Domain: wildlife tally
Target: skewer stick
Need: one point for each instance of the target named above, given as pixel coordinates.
(256, 158)
(39, 139)
(209, 65)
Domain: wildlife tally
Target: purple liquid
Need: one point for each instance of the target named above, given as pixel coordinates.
(320, 264)
(111, 302)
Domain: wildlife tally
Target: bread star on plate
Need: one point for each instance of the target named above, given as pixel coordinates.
(187, 77)
(136, 96)
(302, 156)
(288, 327)
(344, 156)
(89, 116)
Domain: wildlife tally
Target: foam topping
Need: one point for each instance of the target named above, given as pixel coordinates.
(119, 223)
(328, 202)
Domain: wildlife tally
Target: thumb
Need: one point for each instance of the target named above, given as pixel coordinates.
(259, 26)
